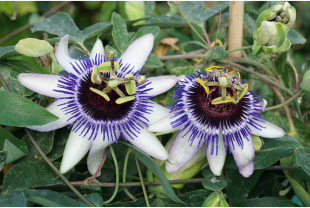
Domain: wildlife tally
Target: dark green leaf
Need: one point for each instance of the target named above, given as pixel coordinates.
(153, 61)
(44, 140)
(8, 51)
(149, 7)
(150, 164)
(218, 53)
(60, 140)
(3, 155)
(266, 202)
(302, 194)
(14, 199)
(238, 187)
(18, 111)
(95, 198)
(165, 22)
(29, 174)
(303, 158)
(49, 198)
(214, 184)
(175, 66)
(194, 12)
(14, 147)
(119, 32)
(295, 37)
(191, 199)
(145, 30)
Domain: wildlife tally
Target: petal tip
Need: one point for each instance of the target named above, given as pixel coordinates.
(247, 170)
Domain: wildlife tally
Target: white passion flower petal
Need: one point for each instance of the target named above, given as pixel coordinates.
(136, 54)
(244, 156)
(164, 125)
(54, 108)
(97, 50)
(44, 84)
(262, 104)
(160, 84)
(159, 112)
(217, 159)
(182, 151)
(148, 143)
(76, 148)
(62, 55)
(269, 130)
(96, 152)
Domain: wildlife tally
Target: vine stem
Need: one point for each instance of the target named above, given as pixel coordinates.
(239, 49)
(124, 174)
(286, 102)
(47, 160)
(87, 180)
(117, 176)
(142, 182)
(217, 32)
(4, 84)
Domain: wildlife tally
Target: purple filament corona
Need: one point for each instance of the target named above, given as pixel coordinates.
(204, 121)
(91, 113)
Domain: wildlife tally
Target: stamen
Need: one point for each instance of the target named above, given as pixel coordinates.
(203, 85)
(124, 99)
(101, 93)
(131, 85)
(220, 100)
(242, 93)
(106, 67)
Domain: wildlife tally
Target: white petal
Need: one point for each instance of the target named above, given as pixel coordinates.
(97, 49)
(44, 84)
(62, 55)
(164, 124)
(148, 143)
(76, 148)
(244, 157)
(160, 84)
(269, 131)
(262, 105)
(56, 110)
(137, 53)
(159, 112)
(181, 151)
(216, 161)
(96, 152)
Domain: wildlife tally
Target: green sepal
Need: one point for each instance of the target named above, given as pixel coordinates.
(285, 47)
(257, 142)
(265, 15)
(269, 49)
(33, 47)
(282, 33)
(215, 199)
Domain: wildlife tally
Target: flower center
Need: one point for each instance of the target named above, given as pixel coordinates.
(97, 106)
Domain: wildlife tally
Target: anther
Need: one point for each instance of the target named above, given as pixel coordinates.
(101, 93)
(124, 99)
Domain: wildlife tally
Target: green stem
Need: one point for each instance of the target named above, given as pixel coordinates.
(4, 84)
(84, 48)
(285, 191)
(268, 80)
(285, 103)
(124, 174)
(142, 183)
(238, 49)
(117, 176)
(55, 64)
(130, 176)
(57, 171)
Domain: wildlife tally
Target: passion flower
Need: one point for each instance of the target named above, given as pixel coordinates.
(215, 108)
(102, 98)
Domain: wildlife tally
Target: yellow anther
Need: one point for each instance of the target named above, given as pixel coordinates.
(124, 99)
(106, 67)
(219, 42)
(210, 69)
(242, 93)
(131, 85)
(94, 73)
(99, 92)
(220, 100)
(203, 85)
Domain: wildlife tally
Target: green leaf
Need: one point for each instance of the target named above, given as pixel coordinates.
(145, 30)
(150, 164)
(194, 12)
(29, 174)
(9, 71)
(14, 147)
(295, 37)
(238, 187)
(303, 158)
(18, 111)
(175, 66)
(95, 198)
(8, 51)
(14, 199)
(44, 140)
(49, 198)
(218, 53)
(3, 155)
(214, 184)
(266, 202)
(153, 61)
(119, 32)
(165, 22)
(302, 194)
(191, 199)
(60, 140)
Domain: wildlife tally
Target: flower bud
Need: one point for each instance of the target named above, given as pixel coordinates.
(272, 26)
(186, 172)
(33, 47)
(215, 199)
